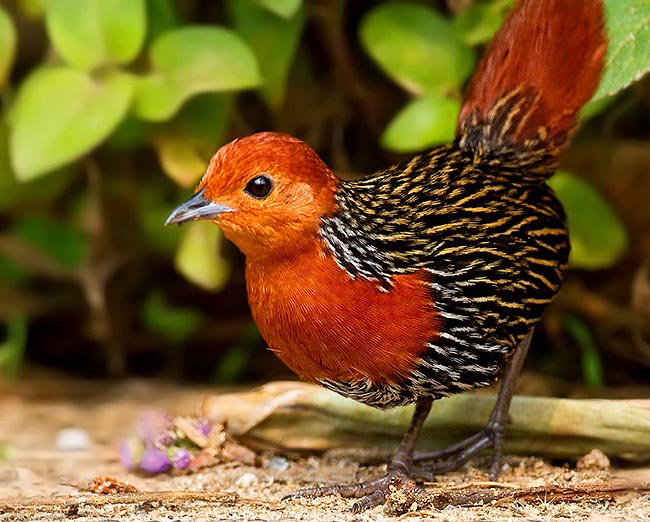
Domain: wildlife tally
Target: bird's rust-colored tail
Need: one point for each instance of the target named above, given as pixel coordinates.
(541, 68)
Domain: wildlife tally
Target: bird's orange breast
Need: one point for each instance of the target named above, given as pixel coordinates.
(325, 325)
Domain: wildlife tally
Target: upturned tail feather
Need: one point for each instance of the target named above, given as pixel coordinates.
(542, 66)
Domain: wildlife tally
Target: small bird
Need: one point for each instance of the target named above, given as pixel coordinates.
(425, 279)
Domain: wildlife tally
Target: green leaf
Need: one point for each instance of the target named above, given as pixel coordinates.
(174, 323)
(62, 113)
(32, 8)
(7, 45)
(161, 17)
(198, 256)
(478, 23)
(92, 32)
(59, 241)
(8, 184)
(423, 122)
(628, 54)
(236, 358)
(186, 143)
(273, 40)
(180, 159)
(595, 106)
(12, 350)
(416, 47)
(592, 366)
(13, 272)
(132, 133)
(598, 237)
(190, 61)
(33, 194)
(153, 206)
(283, 8)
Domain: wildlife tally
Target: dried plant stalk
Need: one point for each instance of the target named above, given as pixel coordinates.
(299, 417)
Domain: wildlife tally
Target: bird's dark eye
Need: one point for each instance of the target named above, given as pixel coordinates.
(259, 187)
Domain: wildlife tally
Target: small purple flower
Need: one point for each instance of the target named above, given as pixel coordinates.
(153, 423)
(154, 461)
(203, 425)
(130, 453)
(164, 439)
(181, 458)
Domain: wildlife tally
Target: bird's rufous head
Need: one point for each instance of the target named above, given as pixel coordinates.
(267, 192)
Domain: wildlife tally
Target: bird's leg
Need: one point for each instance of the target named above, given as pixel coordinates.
(373, 493)
(493, 435)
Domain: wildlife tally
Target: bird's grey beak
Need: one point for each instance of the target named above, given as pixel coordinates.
(197, 207)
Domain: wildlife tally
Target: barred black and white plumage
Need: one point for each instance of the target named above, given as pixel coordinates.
(487, 229)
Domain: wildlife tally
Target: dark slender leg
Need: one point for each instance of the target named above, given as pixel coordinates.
(400, 470)
(494, 433)
(373, 492)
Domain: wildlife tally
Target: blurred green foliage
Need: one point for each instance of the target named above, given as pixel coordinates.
(88, 35)
(598, 237)
(92, 89)
(426, 120)
(417, 47)
(13, 348)
(172, 323)
(591, 362)
(628, 54)
(61, 113)
(7, 45)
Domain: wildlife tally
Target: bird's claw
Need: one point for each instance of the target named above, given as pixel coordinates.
(455, 456)
(370, 493)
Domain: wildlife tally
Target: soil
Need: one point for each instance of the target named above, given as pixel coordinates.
(40, 482)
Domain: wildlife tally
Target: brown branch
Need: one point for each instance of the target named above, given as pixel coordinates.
(331, 16)
(103, 261)
(68, 504)
(402, 498)
(594, 307)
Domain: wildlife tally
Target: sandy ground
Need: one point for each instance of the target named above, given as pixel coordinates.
(40, 482)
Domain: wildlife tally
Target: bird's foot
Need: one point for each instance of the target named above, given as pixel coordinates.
(493, 436)
(455, 456)
(375, 492)
(370, 493)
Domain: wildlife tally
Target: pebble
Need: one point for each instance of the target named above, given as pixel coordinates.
(277, 464)
(72, 439)
(594, 460)
(247, 480)
(251, 480)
